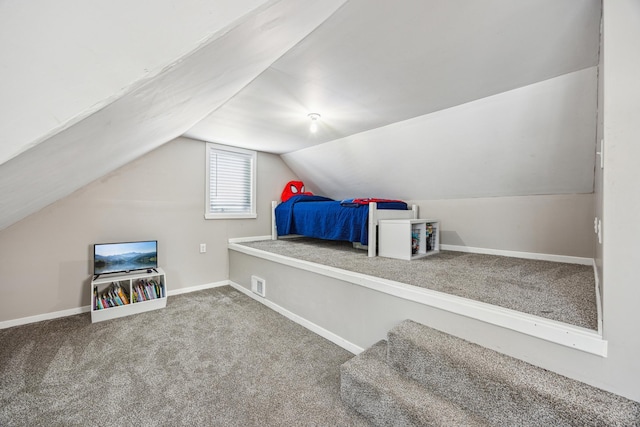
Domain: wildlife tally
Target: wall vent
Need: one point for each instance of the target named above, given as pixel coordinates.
(258, 286)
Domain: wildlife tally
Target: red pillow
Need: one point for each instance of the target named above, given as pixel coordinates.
(293, 188)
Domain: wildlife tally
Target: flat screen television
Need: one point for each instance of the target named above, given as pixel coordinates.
(124, 257)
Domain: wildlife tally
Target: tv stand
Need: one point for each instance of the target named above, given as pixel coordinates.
(142, 292)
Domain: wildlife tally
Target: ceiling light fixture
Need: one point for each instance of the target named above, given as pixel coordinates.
(314, 122)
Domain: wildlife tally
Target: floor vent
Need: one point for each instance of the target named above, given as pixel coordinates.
(258, 286)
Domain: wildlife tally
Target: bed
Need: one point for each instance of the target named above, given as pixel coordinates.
(353, 220)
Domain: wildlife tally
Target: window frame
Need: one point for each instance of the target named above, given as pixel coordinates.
(210, 146)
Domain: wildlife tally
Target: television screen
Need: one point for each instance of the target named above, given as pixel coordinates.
(124, 257)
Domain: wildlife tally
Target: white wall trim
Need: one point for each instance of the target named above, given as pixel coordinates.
(516, 254)
(557, 332)
(598, 299)
(87, 308)
(179, 291)
(324, 333)
(46, 316)
(249, 239)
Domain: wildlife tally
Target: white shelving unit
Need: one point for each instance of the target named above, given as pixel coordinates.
(408, 238)
(154, 298)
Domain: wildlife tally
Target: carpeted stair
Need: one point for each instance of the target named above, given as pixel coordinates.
(424, 377)
(370, 386)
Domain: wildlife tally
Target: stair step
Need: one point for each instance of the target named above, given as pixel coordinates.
(499, 388)
(371, 387)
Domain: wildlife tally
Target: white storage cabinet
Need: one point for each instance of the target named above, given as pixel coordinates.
(153, 297)
(408, 238)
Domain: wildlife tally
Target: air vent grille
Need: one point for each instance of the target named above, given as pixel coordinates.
(258, 286)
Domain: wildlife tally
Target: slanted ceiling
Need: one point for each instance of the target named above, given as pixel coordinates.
(248, 73)
(376, 63)
(149, 104)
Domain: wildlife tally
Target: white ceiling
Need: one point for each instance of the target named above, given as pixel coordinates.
(64, 60)
(376, 63)
(537, 139)
(94, 88)
(95, 139)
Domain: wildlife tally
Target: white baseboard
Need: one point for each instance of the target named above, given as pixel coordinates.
(186, 290)
(248, 239)
(45, 316)
(324, 333)
(87, 308)
(516, 254)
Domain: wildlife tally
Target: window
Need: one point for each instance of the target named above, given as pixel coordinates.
(231, 182)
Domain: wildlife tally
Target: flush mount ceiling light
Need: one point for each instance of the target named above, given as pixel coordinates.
(314, 122)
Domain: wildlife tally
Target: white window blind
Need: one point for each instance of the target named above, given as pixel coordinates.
(230, 182)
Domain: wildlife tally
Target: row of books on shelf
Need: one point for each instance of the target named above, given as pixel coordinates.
(146, 289)
(116, 295)
(430, 238)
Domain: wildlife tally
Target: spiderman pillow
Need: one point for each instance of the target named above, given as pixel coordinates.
(294, 188)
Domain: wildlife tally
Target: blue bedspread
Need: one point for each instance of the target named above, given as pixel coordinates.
(324, 218)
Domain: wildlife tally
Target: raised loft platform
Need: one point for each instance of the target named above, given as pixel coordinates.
(503, 303)
(552, 290)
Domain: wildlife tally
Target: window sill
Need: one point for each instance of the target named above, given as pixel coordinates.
(231, 216)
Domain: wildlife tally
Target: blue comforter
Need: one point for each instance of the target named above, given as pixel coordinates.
(324, 218)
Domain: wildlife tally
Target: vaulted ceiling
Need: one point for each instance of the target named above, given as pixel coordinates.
(88, 88)
(78, 105)
(373, 64)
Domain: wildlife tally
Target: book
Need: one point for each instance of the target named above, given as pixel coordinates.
(141, 296)
(122, 294)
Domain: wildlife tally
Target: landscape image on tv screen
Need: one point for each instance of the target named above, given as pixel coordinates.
(119, 257)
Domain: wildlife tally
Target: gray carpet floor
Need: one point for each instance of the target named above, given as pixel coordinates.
(210, 358)
(557, 291)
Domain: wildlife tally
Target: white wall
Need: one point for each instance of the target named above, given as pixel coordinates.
(535, 140)
(45, 262)
(597, 185)
(621, 203)
(558, 224)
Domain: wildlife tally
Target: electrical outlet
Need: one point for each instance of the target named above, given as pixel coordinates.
(203, 248)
